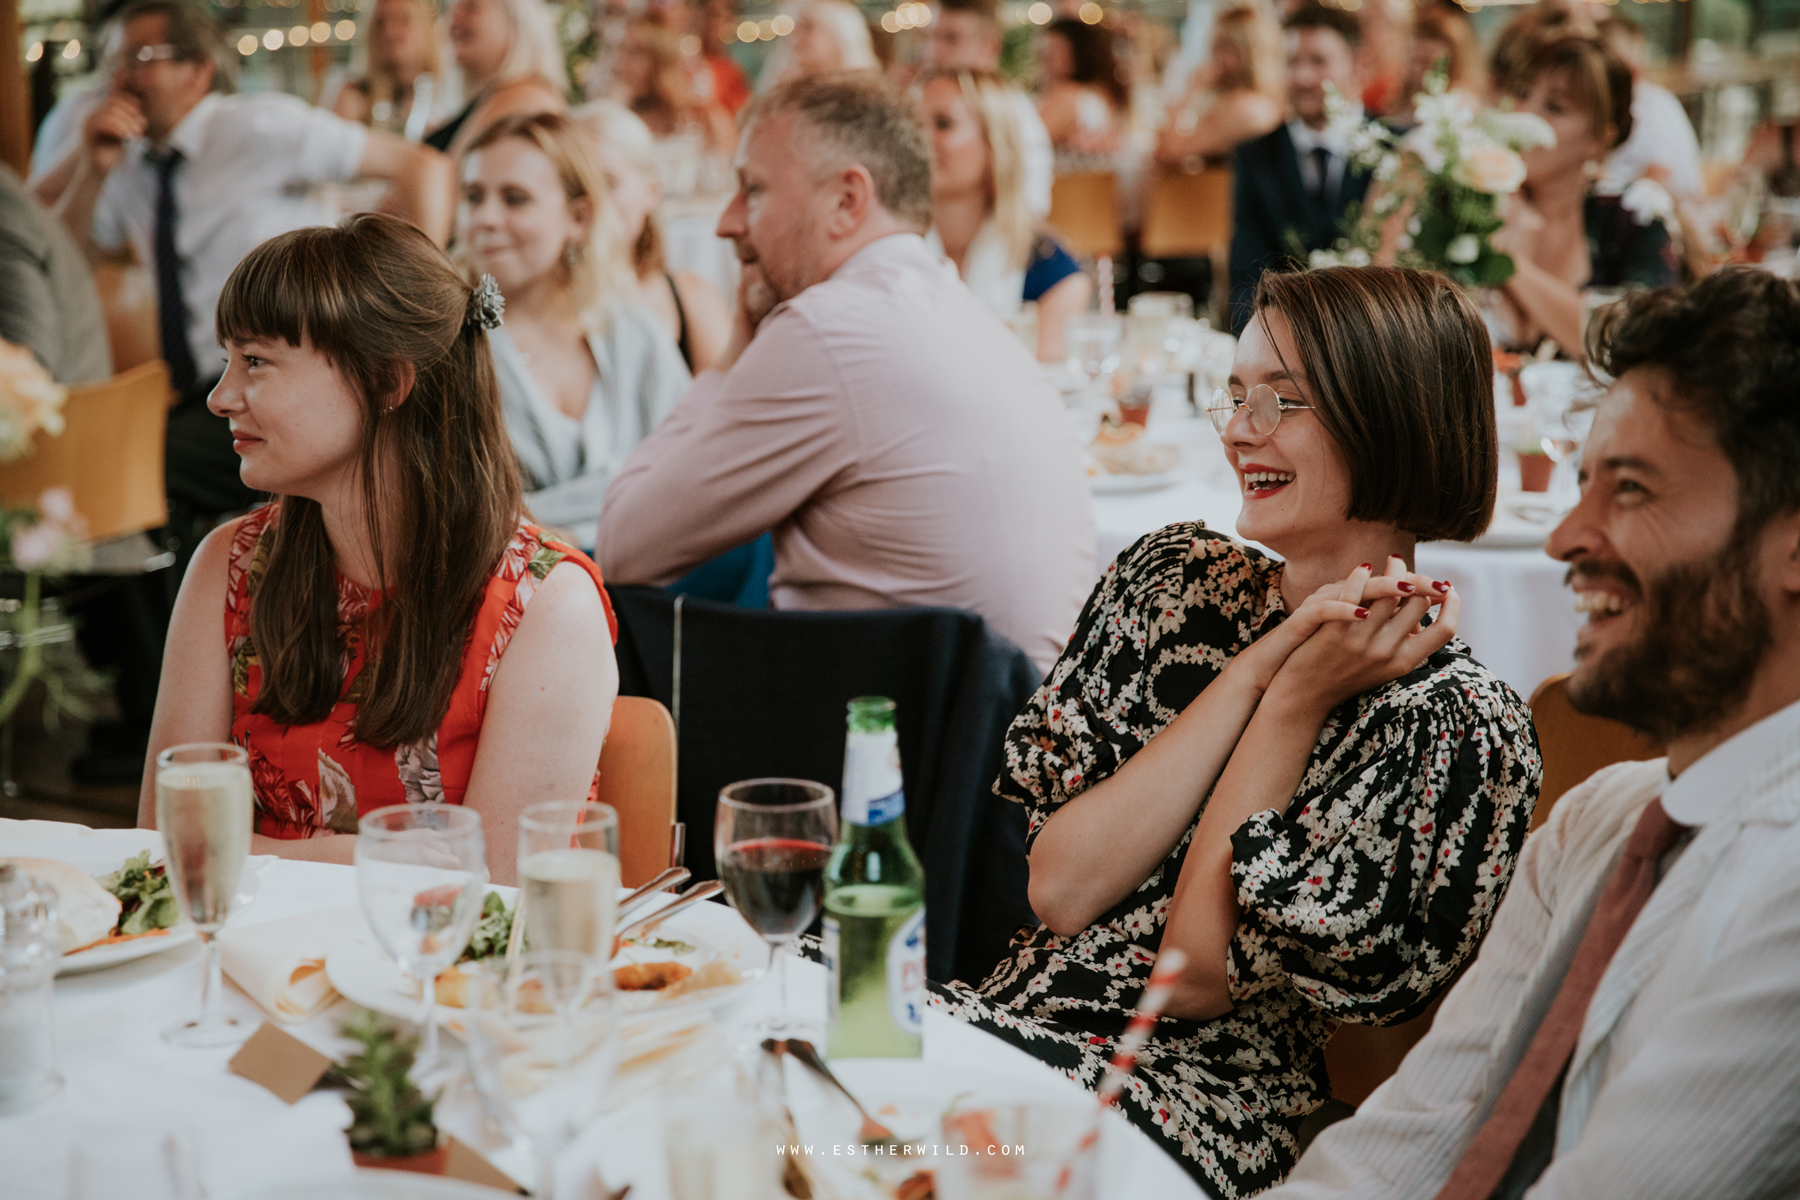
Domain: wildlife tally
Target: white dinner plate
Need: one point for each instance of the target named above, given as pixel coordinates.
(102, 853)
(363, 973)
(114, 953)
(1107, 484)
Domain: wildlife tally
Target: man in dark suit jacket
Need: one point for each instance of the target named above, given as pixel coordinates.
(1294, 184)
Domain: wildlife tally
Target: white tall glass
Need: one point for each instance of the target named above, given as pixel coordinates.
(1094, 346)
(421, 870)
(203, 809)
(569, 876)
(543, 1046)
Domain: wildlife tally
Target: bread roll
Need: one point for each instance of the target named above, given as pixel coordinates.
(85, 911)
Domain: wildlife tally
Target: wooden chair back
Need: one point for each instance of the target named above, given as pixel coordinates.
(1361, 1057)
(637, 777)
(128, 298)
(1575, 745)
(110, 454)
(1188, 215)
(1084, 208)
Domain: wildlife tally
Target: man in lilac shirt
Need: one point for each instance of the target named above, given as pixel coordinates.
(897, 438)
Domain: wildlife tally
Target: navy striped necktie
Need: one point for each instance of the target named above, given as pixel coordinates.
(171, 308)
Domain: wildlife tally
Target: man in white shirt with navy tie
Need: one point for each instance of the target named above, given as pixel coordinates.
(1680, 1070)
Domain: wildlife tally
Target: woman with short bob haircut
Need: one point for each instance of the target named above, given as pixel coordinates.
(395, 629)
(1274, 764)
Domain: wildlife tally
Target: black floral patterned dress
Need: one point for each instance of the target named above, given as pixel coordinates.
(1360, 903)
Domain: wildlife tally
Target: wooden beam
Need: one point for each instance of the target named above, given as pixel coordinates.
(15, 96)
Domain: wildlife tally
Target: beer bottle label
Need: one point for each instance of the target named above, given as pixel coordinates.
(906, 974)
(873, 793)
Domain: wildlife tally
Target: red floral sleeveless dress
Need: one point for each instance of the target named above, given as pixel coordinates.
(311, 780)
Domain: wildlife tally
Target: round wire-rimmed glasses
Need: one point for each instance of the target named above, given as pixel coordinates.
(1264, 404)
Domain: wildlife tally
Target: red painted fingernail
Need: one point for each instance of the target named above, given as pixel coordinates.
(1368, 567)
(1442, 585)
(1361, 613)
(1406, 587)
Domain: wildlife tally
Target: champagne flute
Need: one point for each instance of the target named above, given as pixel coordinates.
(569, 876)
(543, 1046)
(203, 809)
(772, 839)
(421, 870)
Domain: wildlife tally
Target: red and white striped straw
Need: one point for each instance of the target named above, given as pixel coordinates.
(1124, 1060)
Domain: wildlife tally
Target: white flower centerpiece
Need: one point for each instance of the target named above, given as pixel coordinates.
(1443, 178)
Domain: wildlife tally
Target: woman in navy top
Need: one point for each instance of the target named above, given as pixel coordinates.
(980, 220)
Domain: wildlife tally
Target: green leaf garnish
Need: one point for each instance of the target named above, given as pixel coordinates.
(146, 900)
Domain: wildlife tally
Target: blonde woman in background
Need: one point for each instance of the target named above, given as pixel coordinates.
(402, 52)
(979, 217)
(585, 370)
(690, 308)
(830, 35)
(650, 79)
(511, 65)
(1238, 95)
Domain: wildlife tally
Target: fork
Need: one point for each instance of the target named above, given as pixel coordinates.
(807, 1055)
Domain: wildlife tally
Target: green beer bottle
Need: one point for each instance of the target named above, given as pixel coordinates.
(874, 901)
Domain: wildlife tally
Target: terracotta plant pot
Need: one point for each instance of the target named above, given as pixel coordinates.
(428, 1162)
(1534, 472)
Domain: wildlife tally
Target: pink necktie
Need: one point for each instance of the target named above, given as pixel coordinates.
(1491, 1152)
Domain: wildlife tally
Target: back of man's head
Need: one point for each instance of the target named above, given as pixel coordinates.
(1729, 348)
(1317, 16)
(194, 35)
(854, 119)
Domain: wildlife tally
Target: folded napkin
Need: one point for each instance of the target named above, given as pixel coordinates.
(281, 964)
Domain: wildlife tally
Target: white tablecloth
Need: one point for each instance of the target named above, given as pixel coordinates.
(691, 243)
(1516, 615)
(118, 1068)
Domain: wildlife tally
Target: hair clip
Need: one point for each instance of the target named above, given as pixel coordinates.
(486, 304)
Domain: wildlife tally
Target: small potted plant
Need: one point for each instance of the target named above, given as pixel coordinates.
(392, 1125)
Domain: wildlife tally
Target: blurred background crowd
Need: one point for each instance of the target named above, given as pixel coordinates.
(1132, 90)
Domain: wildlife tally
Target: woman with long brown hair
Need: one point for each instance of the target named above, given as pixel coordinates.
(1564, 237)
(395, 629)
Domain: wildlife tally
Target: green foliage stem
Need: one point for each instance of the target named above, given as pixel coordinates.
(392, 1118)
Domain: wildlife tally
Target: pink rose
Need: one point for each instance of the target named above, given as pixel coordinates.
(1490, 168)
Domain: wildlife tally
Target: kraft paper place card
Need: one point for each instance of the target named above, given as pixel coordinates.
(280, 1062)
(466, 1163)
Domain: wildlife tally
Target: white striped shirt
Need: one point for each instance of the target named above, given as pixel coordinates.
(1687, 1073)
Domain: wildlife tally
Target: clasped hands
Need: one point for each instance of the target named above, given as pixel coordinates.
(1350, 636)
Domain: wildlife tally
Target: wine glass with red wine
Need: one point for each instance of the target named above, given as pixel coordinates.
(772, 839)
